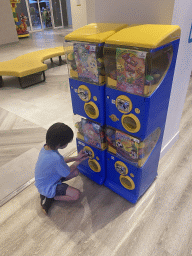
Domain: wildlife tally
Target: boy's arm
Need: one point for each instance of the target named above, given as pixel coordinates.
(77, 162)
(76, 158)
(74, 166)
(70, 159)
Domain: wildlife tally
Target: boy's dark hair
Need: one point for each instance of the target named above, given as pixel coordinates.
(58, 134)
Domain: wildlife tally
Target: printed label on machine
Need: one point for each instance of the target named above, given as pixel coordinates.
(83, 94)
(85, 57)
(130, 70)
(123, 105)
(81, 143)
(120, 169)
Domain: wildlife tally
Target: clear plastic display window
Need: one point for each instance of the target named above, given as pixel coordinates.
(136, 71)
(91, 133)
(130, 148)
(85, 62)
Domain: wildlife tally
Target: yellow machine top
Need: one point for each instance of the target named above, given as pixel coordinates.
(95, 32)
(145, 36)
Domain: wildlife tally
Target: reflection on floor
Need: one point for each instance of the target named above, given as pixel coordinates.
(101, 223)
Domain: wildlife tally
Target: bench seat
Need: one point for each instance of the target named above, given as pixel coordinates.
(30, 63)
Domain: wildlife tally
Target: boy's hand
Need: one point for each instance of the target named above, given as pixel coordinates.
(78, 159)
(81, 156)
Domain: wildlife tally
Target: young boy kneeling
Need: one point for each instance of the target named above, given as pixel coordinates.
(52, 169)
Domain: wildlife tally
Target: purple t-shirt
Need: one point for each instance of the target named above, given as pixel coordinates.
(49, 169)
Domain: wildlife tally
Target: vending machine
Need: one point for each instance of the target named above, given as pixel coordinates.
(87, 86)
(139, 64)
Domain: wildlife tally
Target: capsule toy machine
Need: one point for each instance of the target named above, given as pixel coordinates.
(139, 65)
(86, 68)
(90, 137)
(131, 163)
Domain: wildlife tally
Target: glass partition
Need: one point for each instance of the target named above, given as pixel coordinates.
(34, 9)
(57, 13)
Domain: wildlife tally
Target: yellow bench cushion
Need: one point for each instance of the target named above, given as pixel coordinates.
(30, 63)
(19, 67)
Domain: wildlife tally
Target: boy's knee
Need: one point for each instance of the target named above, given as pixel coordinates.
(76, 195)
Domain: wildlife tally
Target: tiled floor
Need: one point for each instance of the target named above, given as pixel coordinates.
(26, 114)
(100, 223)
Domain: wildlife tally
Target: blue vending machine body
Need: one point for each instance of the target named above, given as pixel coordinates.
(130, 181)
(94, 167)
(143, 114)
(88, 100)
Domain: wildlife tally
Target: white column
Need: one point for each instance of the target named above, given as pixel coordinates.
(8, 33)
(79, 13)
(182, 16)
(90, 5)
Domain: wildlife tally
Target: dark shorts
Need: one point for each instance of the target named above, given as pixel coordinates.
(61, 188)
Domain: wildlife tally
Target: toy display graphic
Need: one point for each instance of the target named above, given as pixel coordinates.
(139, 64)
(130, 71)
(86, 62)
(135, 71)
(129, 148)
(92, 133)
(21, 25)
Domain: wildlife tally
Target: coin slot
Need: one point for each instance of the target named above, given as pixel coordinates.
(131, 123)
(91, 110)
(127, 182)
(94, 165)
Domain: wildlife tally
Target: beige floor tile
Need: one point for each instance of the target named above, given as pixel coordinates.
(17, 172)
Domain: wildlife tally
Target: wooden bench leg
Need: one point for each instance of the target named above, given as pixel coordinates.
(43, 76)
(28, 80)
(60, 61)
(1, 81)
(20, 82)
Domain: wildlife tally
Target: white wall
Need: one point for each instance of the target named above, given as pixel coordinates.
(90, 5)
(8, 32)
(182, 16)
(79, 14)
(137, 11)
